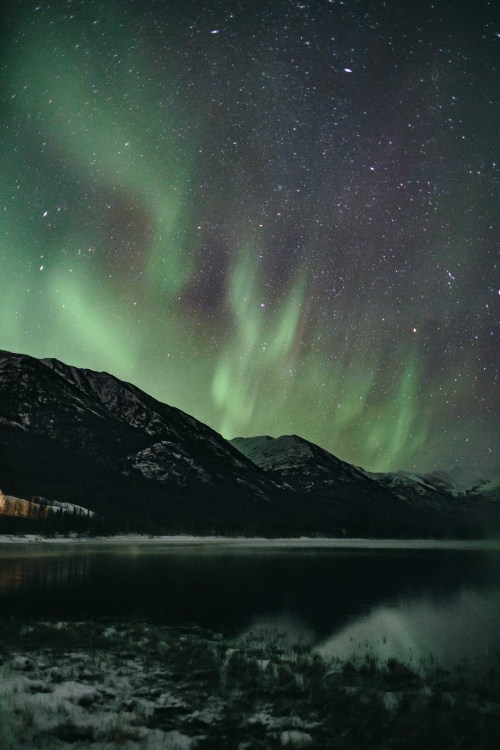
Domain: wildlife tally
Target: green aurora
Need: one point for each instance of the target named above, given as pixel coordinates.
(134, 240)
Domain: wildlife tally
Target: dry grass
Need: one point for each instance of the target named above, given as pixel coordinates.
(141, 686)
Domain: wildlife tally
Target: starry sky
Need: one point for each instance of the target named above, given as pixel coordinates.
(281, 217)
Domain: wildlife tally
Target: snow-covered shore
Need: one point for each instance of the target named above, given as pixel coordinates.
(144, 687)
(186, 539)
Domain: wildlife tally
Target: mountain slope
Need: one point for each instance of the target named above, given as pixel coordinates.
(357, 504)
(468, 498)
(76, 435)
(72, 435)
(301, 464)
(461, 481)
(428, 505)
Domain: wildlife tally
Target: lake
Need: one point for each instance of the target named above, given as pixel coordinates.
(417, 601)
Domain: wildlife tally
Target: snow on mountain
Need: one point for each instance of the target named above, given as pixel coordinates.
(91, 411)
(358, 504)
(441, 489)
(84, 436)
(301, 464)
(411, 488)
(454, 501)
(461, 480)
(87, 440)
(17, 506)
(55, 505)
(165, 461)
(119, 399)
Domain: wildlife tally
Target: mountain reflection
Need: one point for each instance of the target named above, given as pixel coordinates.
(425, 632)
(408, 603)
(41, 573)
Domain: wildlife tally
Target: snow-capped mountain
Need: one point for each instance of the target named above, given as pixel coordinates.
(358, 504)
(460, 481)
(87, 439)
(412, 488)
(449, 503)
(443, 489)
(301, 464)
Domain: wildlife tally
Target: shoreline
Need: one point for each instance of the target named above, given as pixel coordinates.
(242, 541)
(106, 684)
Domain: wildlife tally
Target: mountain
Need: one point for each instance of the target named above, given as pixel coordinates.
(355, 502)
(469, 497)
(302, 465)
(87, 439)
(456, 483)
(457, 503)
(74, 435)
(461, 481)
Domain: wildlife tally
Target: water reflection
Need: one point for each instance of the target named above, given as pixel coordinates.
(41, 573)
(422, 633)
(403, 603)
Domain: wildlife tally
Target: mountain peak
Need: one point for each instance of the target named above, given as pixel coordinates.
(74, 435)
(289, 455)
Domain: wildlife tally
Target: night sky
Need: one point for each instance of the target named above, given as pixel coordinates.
(281, 217)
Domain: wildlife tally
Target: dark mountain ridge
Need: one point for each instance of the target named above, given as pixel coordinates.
(69, 433)
(456, 503)
(74, 435)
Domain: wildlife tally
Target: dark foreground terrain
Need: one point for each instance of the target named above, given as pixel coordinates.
(123, 685)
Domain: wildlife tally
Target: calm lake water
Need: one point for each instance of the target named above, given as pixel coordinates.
(412, 601)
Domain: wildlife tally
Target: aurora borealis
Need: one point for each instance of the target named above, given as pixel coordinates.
(281, 217)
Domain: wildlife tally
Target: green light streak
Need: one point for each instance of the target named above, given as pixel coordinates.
(263, 338)
(94, 321)
(133, 152)
(400, 426)
(263, 363)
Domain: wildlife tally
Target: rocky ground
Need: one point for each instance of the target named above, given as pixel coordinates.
(122, 685)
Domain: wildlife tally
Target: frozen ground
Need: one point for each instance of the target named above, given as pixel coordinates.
(121, 539)
(131, 685)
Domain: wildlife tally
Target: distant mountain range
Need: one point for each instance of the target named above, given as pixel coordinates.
(70, 435)
(456, 503)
